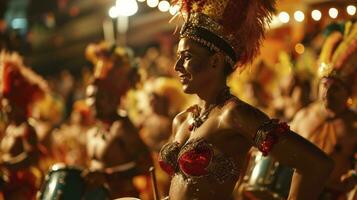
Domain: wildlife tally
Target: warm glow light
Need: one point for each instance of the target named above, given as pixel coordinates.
(126, 7)
(141, 0)
(299, 16)
(174, 9)
(284, 17)
(316, 15)
(349, 101)
(351, 9)
(164, 6)
(274, 23)
(299, 48)
(333, 12)
(113, 12)
(152, 3)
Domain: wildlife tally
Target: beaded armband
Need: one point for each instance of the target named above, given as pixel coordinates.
(268, 134)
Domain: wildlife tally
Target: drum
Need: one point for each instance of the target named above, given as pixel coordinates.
(99, 193)
(65, 182)
(266, 178)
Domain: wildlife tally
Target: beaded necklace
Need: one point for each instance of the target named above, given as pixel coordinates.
(198, 118)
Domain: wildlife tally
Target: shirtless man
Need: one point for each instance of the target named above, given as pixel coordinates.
(330, 125)
(328, 122)
(19, 147)
(156, 126)
(164, 98)
(114, 147)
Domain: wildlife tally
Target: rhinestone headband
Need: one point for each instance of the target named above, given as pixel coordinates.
(202, 29)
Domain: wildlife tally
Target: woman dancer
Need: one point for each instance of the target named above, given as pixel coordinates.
(211, 139)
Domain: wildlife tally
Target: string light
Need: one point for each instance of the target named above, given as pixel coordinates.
(113, 12)
(333, 12)
(274, 23)
(152, 3)
(164, 6)
(351, 9)
(126, 7)
(284, 17)
(316, 15)
(299, 16)
(174, 9)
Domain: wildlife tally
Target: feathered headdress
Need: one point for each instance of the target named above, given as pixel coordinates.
(20, 85)
(114, 70)
(337, 49)
(233, 27)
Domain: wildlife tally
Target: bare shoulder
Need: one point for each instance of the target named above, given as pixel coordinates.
(239, 110)
(307, 111)
(306, 117)
(178, 121)
(241, 116)
(301, 114)
(123, 126)
(92, 131)
(180, 118)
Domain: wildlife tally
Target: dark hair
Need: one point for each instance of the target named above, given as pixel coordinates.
(335, 79)
(228, 69)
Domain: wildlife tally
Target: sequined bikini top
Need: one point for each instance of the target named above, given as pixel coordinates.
(197, 158)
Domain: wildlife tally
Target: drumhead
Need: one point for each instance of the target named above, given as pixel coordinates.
(266, 178)
(62, 166)
(62, 182)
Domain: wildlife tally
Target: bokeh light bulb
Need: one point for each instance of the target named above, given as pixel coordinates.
(126, 7)
(299, 16)
(333, 12)
(174, 9)
(113, 12)
(316, 15)
(284, 17)
(164, 6)
(152, 3)
(351, 9)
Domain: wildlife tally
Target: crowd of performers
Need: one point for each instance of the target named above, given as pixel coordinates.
(133, 114)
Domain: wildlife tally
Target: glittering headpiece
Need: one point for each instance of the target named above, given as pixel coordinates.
(20, 85)
(233, 27)
(113, 67)
(337, 49)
